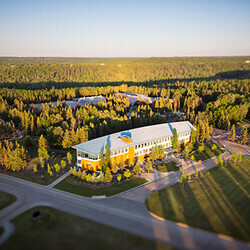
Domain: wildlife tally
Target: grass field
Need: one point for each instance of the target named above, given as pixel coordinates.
(75, 186)
(218, 202)
(42, 176)
(207, 153)
(6, 199)
(58, 230)
(167, 167)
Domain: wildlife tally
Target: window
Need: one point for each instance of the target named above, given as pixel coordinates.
(135, 146)
(89, 164)
(119, 151)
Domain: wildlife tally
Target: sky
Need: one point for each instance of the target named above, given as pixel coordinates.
(124, 28)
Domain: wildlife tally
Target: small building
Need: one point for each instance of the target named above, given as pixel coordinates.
(131, 144)
(134, 97)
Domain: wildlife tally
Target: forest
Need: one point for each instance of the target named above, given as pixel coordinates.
(212, 92)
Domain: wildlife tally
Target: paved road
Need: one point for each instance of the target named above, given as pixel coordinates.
(125, 211)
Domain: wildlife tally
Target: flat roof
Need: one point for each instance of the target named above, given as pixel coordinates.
(139, 135)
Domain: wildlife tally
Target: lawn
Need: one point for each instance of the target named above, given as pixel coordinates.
(59, 230)
(207, 153)
(167, 167)
(6, 199)
(42, 177)
(76, 186)
(218, 202)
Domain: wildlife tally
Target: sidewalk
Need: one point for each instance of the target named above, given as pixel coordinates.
(51, 185)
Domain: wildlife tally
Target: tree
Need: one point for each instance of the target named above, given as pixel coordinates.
(63, 164)
(183, 179)
(119, 177)
(232, 133)
(175, 139)
(240, 157)
(102, 161)
(161, 152)
(219, 162)
(243, 136)
(89, 178)
(66, 143)
(83, 176)
(127, 174)
(122, 163)
(149, 165)
(107, 155)
(79, 174)
(35, 169)
(101, 178)
(196, 173)
(192, 157)
(57, 167)
(94, 178)
(235, 156)
(137, 168)
(201, 148)
(189, 177)
(43, 150)
(214, 147)
(108, 175)
(69, 157)
(192, 137)
(186, 151)
(114, 168)
(154, 153)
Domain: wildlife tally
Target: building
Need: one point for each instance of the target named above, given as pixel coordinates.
(89, 100)
(134, 97)
(131, 144)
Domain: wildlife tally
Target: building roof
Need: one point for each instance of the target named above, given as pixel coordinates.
(139, 135)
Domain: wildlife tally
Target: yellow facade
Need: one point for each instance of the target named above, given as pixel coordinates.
(95, 165)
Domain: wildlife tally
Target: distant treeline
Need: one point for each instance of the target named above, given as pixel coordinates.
(144, 70)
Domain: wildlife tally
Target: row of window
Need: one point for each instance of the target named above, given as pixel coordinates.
(119, 151)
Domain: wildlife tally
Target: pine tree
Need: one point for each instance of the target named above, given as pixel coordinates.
(102, 161)
(79, 174)
(189, 177)
(122, 163)
(43, 149)
(94, 178)
(196, 173)
(149, 165)
(232, 133)
(183, 179)
(83, 176)
(175, 139)
(235, 156)
(66, 142)
(108, 175)
(114, 168)
(69, 157)
(137, 168)
(35, 169)
(186, 151)
(240, 157)
(243, 136)
(219, 162)
(107, 156)
(101, 178)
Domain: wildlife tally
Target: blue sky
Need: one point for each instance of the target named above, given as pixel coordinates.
(127, 28)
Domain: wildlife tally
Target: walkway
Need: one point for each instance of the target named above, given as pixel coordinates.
(51, 185)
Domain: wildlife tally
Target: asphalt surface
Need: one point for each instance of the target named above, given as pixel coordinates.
(125, 211)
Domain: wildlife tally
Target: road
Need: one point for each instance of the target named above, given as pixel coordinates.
(125, 211)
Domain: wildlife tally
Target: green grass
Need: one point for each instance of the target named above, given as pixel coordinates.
(207, 153)
(76, 186)
(42, 177)
(59, 230)
(6, 199)
(167, 167)
(218, 202)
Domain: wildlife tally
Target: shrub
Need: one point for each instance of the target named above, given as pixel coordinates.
(214, 147)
